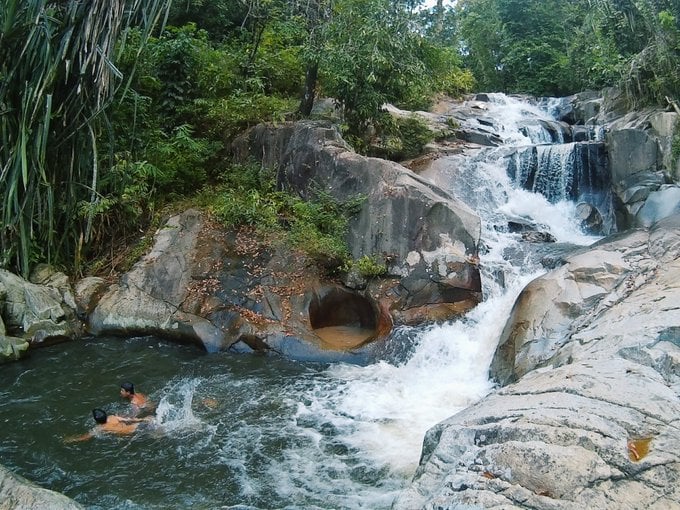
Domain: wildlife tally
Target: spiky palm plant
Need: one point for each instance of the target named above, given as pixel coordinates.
(57, 77)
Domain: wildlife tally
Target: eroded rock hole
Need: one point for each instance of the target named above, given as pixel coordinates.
(342, 319)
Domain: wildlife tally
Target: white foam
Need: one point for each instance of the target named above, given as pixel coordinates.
(174, 412)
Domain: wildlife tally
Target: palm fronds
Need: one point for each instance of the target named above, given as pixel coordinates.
(57, 77)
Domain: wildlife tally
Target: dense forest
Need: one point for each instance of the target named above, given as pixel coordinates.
(112, 112)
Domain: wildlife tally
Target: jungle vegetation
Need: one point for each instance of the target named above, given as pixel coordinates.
(111, 111)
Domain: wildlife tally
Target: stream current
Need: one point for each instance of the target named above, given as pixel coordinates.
(261, 432)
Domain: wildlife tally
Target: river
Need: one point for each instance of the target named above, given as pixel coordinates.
(262, 432)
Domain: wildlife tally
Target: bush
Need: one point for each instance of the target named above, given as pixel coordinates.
(316, 227)
(401, 138)
(227, 117)
(367, 266)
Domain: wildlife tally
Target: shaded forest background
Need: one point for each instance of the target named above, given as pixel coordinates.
(113, 113)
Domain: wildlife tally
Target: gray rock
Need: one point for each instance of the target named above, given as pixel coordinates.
(592, 419)
(659, 204)
(591, 219)
(631, 151)
(148, 299)
(12, 348)
(88, 292)
(39, 313)
(18, 493)
(419, 228)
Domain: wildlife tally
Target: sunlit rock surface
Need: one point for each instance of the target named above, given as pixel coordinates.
(593, 419)
(18, 493)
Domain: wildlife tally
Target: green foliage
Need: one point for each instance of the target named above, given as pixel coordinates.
(226, 117)
(181, 159)
(372, 56)
(445, 73)
(219, 18)
(482, 36)
(56, 81)
(367, 266)
(653, 74)
(317, 227)
(93, 142)
(675, 144)
(279, 58)
(415, 134)
(548, 47)
(401, 137)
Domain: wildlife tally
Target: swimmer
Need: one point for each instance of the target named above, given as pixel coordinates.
(138, 400)
(110, 424)
(127, 390)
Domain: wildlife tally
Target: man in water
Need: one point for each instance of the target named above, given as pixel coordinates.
(138, 400)
(110, 424)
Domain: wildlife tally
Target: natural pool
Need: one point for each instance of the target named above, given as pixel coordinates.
(231, 430)
(238, 431)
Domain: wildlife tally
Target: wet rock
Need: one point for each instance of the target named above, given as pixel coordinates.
(590, 218)
(17, 492)
(658, 205)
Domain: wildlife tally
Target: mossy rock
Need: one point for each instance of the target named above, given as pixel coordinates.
(12, 348)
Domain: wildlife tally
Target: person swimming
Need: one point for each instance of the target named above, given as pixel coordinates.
(140, 403)
(110, 424)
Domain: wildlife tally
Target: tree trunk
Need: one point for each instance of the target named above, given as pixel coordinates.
(307, 101)
(439, 18)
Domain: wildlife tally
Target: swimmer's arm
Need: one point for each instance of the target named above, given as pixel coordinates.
(128, 421)
(77, 439)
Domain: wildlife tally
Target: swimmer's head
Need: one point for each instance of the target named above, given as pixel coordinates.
(127, 388)
(99, 416)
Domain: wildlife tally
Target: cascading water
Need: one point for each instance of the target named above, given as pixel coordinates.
(247, 432)
(385, 408)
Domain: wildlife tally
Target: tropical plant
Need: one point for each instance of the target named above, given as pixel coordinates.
(650, 31)
(57, 78)
(368, 266)
(372, 55)
(316, 226)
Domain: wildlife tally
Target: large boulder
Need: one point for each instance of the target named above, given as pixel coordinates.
(639, 146)
(417, 228)
(147, 300)
(592, 418)
(224, 290)
(36, 313)
(18, 493)
(12, 348)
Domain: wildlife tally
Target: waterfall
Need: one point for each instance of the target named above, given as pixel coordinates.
(569, 171)
(350, 436)
(381, 411)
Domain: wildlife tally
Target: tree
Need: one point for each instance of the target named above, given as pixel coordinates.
(372, 55)
(647, 38)
(482, 42)
(57, 78)
(540, 47)
(316, 14)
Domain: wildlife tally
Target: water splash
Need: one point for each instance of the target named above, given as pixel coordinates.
(174, 413)
(384, 410)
